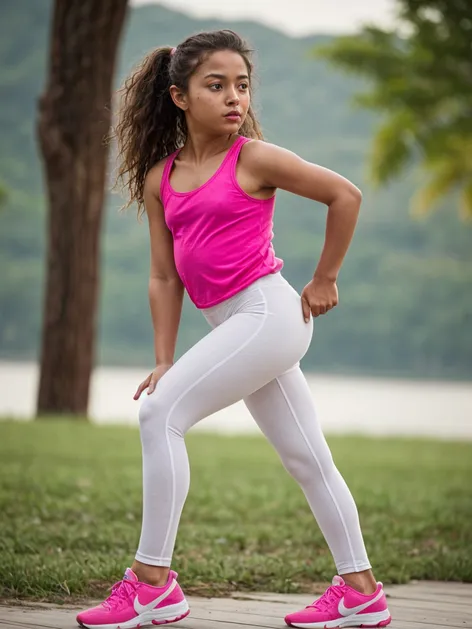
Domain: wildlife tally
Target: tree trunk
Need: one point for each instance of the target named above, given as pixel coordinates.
(74, 118)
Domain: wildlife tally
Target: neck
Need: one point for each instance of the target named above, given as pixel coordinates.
(200, 146)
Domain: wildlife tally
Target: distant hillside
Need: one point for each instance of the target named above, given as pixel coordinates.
(406, 303)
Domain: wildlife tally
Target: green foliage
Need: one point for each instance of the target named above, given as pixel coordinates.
(406, 304)
(3, 196)
(422, 82)
(70, 511)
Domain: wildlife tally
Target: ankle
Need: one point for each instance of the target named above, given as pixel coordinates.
(361, 582)
(151, 575)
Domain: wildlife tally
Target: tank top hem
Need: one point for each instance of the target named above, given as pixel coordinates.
(238, 289)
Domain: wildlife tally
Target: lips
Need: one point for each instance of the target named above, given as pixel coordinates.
(233, 115)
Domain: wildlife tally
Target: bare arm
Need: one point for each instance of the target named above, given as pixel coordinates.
(278, 168)
(166, 290)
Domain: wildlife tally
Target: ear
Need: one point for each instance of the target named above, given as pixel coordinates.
(179, 98)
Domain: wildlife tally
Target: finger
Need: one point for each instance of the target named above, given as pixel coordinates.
(315, 311)
(141, 388)
(138, 393)
(323, 310)
(152, 386)
(306, 310)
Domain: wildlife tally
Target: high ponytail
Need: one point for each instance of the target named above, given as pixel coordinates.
(150, 125)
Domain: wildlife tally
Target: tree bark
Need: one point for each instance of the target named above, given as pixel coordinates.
(74, 118)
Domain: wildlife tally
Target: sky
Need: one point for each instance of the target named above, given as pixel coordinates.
(293, 17)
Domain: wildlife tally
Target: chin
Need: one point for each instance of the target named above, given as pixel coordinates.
(233, 124)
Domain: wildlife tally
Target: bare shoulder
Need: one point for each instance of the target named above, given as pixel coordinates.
(152, 182)
(270, 166)
(258, 152)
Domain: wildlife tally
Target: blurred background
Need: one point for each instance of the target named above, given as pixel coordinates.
(381, 92)
(396, 355)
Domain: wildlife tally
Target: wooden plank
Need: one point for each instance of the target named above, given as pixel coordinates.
(5, 625)
(294, 599)
(431, 590)
(211, 624)
(459, 599)
(433, 607)
(229, 622)
(275, 610)
(415, 625)
(440, 586)
(241, 619)
(25, 618)
(432, 620)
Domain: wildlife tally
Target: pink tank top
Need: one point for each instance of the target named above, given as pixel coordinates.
(222, 236)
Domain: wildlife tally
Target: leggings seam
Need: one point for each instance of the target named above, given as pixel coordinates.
(184, 393)
(320, 469)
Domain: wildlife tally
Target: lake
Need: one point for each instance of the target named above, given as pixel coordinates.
(346, 404)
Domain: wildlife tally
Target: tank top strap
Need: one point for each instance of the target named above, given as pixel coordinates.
(165, 188)
(234, 152)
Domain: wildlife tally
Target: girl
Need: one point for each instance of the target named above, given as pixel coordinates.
(194, 158)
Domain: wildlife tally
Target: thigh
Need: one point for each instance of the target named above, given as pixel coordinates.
(235, 359)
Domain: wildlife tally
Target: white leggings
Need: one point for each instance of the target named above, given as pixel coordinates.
(252, 353)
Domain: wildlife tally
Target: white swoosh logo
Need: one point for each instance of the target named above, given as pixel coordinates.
(140, 609)
(347, 611)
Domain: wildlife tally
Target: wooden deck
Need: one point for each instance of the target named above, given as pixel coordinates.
(423, 605)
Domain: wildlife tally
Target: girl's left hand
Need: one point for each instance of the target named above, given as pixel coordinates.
(318, 297)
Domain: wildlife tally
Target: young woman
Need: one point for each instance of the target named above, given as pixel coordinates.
(194, 158)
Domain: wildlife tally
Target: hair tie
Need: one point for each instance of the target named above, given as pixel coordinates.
(172, 52)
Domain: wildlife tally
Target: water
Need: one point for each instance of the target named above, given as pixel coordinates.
(370, 406)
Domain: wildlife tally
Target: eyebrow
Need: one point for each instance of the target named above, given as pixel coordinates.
(215, 75)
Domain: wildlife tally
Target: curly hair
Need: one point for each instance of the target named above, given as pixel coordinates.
(150, 126)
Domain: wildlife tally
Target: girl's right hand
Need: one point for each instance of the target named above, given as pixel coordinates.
(151, 380)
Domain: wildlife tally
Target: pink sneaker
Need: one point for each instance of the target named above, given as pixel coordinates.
(133, 604)
(342, 606)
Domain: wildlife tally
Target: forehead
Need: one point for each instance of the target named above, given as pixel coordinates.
(223, 62)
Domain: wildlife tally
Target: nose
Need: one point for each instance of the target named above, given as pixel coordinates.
(233, 98)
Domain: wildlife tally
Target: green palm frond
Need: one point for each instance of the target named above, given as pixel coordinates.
(421, 82)
(466, 201)
(449, 165)
(392, 147)
(443, 181)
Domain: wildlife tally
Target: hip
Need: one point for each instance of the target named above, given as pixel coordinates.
(274, 301)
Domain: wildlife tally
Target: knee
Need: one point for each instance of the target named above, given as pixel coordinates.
(307, 468)
(155, 416)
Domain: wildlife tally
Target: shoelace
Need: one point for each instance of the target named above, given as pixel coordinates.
(332, 594)
(120, 591)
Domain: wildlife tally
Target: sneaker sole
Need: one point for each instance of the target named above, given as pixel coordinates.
(166, 622)
(378, 619)
(145, 620)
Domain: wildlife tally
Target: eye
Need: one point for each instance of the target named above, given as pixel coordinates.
(215, 85)
(244, 86)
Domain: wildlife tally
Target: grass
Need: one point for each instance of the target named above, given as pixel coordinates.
(70, 511)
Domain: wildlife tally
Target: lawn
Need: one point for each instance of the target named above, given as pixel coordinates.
(70, 511)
